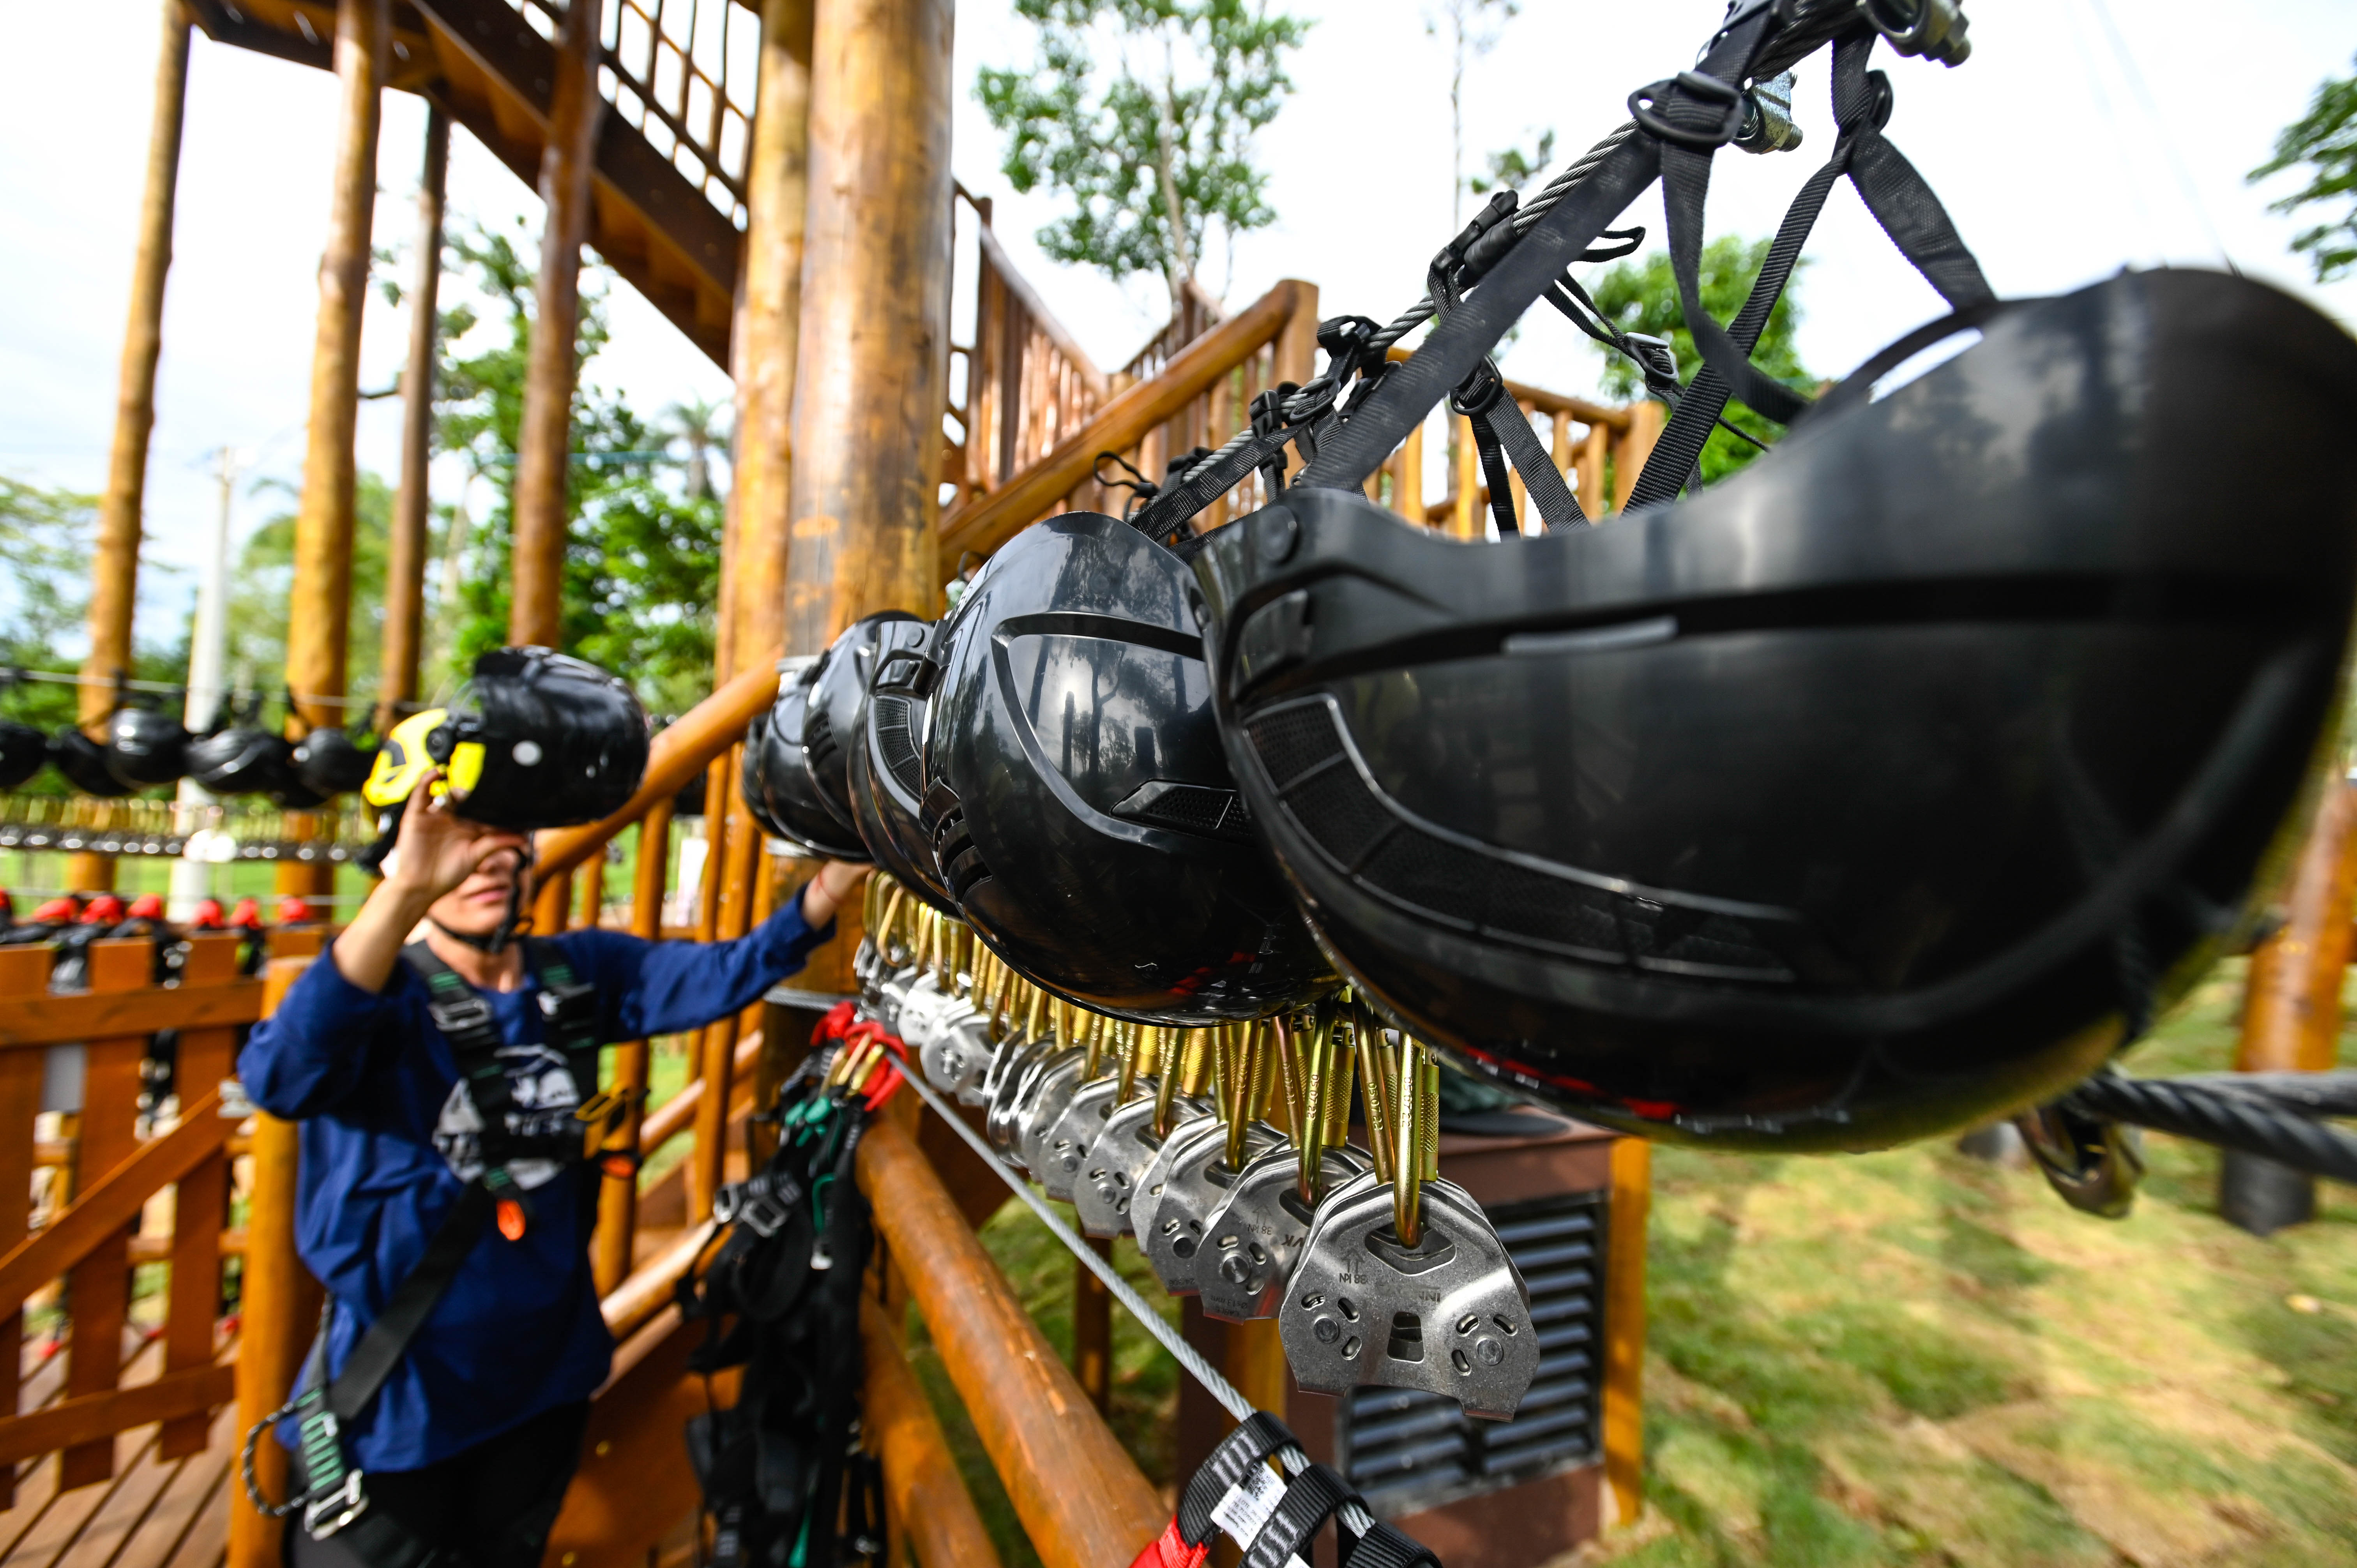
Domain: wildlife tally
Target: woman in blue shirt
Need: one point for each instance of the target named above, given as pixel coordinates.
(474, 1438)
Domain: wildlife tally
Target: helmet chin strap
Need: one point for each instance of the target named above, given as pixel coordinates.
(495, 940)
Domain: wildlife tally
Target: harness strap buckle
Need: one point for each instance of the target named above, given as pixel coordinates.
(323, 1516)
(461, 1015)
(1645, 106)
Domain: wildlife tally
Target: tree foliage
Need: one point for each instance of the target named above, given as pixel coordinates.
(1514, 169)
(1143, 112)
(265, 579)
(1473, 28)
(44, 536)
(1642, 296)
(642, 559)
(2325, 140)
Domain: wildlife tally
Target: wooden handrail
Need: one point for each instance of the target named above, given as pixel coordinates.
(633, 1304)
(677, 1114)
(1041, 317)
(922, 1488)
(983, 525)
(94, 1417)
(1542, 401)
(681, 752)
(86, 1015)
(1080, 1498)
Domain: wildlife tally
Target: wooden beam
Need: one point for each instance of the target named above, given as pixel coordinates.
(983, 525)
(319, 606)
(1079, 1494)
(405, 574)
(278, 1308)
(1633, 447)
(96, 1418)
(114, 561)
(1037, 308)
(764, 344)
(634, 1304)
(39, 1021)
(681, 752)
(544, 443)
(618, 1196)
(924, 1496)
(1623, 1392)
(111, 1203)
(24, 974)
(874, 326)
(98, 1285)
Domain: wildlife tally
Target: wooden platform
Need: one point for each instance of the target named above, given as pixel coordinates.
(155, 1513)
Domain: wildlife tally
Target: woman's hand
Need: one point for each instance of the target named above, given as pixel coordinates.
(828, 891)
(436, 850)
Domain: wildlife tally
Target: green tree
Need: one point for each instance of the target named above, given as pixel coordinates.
(2325, 139)
(1514, 169)
(642, 559)
(1473, 28)
(1642, 296)
(44, 538)
(264, 581)
(1154, 149)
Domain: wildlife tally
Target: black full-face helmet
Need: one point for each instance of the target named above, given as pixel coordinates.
(887, 762)
(540, 739)
(82, 762)
(1082, 810)
(237, 756)
(838, 692)
(23, 749)
(145, 748)
(328, 762)
(1887, 786)
(776, 783)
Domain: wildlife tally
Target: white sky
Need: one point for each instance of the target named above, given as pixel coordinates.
(2043, 146)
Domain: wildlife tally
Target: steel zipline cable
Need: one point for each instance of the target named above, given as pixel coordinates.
(2266, 1116)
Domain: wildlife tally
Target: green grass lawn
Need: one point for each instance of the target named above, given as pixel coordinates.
(1914, 1358)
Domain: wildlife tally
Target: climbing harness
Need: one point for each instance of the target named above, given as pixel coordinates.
(781, 1297)
(515, 1147)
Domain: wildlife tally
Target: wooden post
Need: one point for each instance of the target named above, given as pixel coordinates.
(1634, 446)
(2291, 1012)
(1465, 521)
(1092, 1329)
(114, 563)
(1590, 468)
(1624, 1324)
(922, 1488)
(319, 609)
(875, 323)
(277, 1310)
(737, 855)
(1407, 495)
(404, 576)
(1294, 354)
(618, 1196)
(545, 443)
(768, 328)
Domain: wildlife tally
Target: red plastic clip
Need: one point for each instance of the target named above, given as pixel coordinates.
(511, 1215)
(1169, 1550)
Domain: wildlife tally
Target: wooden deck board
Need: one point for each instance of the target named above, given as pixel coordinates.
(155, 1513)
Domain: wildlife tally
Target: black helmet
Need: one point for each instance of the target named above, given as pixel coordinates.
(776, 782)
(328, 762)
(145, 748)
(83, 761)
(1081, 809)
(23, 749)
(537, 739)
(1885, 787)
(887, 762)
(238, 756)
(838, 691)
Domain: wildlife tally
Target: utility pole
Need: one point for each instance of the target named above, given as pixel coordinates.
(208, 655)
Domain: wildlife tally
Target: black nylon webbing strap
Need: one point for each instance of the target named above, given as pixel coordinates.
(1548, 493)
(1892, 190)
(1387, 1546)
(1461, 339)
(1309, 1502)
(1249, 1445)
(411, 1303)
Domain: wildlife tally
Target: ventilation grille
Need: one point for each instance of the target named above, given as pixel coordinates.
(895, 739)
(1379, 847)
(962, 865)
(1408, 1449)
(818, 739)
(1189, 808)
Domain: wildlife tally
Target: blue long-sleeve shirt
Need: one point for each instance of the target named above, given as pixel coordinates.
(373, 1081)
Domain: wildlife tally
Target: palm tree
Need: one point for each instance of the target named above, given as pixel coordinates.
(700, 425)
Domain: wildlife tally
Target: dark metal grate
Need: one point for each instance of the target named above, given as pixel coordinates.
(895, 738)
(1409, 1450)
